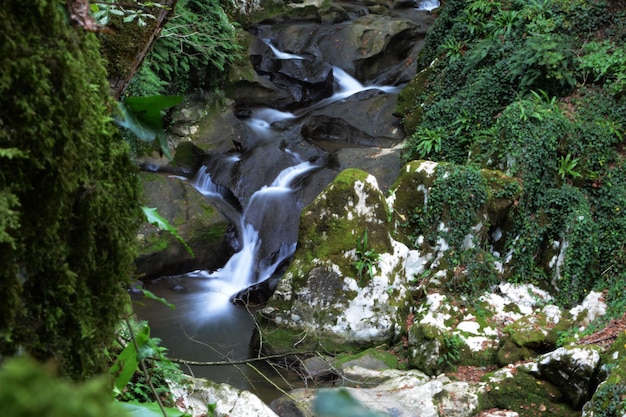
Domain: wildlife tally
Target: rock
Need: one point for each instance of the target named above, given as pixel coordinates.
(317, 368)
(196, 221)
(326, 301)
(572, 369)
(514, 388)
(592, 307)
(403, 394)
(194, 395)
(368, 359)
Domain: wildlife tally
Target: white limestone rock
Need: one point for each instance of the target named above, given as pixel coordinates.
(194, 394)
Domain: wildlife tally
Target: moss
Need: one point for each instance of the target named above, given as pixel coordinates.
(408, 106)
(65, 278)
(608, 399)
(327, 233)
(527, 396)
(389, 359)
(510, 352)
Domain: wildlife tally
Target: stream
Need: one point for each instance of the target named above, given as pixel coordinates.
(205, 324)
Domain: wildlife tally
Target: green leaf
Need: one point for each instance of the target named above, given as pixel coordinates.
(152, 296)
(124, 368)
(137, 409)
(339, 403)
(155, 218)
(143, 116)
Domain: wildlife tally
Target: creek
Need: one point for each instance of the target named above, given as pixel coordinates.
(264, 208)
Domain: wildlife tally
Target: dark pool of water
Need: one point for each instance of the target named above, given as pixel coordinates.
(204, 326)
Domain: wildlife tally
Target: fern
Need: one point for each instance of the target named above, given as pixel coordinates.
(193, 50)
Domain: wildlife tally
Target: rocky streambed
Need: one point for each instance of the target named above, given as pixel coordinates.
(364, 301)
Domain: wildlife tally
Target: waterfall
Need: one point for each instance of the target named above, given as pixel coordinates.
(245, 268)
(428, 5)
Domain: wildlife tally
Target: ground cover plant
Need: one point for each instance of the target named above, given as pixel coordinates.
(535, 90)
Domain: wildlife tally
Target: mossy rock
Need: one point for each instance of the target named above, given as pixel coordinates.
(69, 194)
(510, 352)
(350, 209)
(408, 106)
(608, 399)
(426, 344)
(370, 359)
(526, 395)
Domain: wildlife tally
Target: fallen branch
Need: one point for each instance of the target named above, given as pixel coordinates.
(236, 362)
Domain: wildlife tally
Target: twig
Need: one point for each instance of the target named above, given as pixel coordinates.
(236, 362)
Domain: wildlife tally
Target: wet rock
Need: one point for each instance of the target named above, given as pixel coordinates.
(197, 222)
(193, 395)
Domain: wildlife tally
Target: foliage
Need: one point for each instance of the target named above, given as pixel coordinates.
(366, 259)
(143, 116)
(609, 400)
(131, 12)
(339, 403)
(534, 89)
(30, 389)
(451, 350)
(194, 50)
(142, 354)
(606, 62)
(69, 190)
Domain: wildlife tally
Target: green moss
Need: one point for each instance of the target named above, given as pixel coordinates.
(389, 359)
(527, 396)
(327, 234)
(64, 279)
(608, 400)
(408, 106)
(510, 352)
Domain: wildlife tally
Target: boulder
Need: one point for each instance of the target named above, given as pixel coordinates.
(347, 282)
(399, 393)
(572, 369)
(194, 396)
(198, 223)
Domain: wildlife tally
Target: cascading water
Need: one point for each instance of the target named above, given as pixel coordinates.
(206, 325)
(428, 5)
(245, 268)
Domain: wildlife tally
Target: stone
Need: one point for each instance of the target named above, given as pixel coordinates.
(335, 307)
(193, 395)
(572, 369)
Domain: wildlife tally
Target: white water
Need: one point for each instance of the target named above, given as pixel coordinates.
(261, 119)
(428, 5)
(280, 54)
(244, 268)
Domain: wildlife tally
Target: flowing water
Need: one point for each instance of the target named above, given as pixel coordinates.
(205, 325)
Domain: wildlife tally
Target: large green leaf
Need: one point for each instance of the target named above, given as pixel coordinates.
(144, 117)
(155, 218)
(127, 363)
(137, 409)
(339, 403)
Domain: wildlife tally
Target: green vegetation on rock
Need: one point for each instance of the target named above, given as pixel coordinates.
(68, 192)
(502, 89)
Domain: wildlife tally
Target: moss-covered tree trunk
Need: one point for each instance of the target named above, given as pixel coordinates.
(126, 45)
(68, 192)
